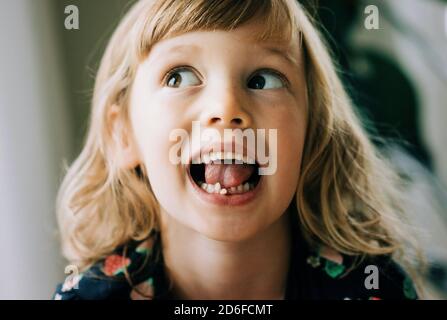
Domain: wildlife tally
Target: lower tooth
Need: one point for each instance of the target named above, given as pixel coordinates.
(216, 188)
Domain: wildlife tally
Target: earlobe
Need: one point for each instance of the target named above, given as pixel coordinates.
(129, 157)
(124, 146)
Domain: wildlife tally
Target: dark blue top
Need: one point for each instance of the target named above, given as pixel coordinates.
(136, 271)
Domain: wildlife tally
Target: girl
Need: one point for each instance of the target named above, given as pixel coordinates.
(325, 225)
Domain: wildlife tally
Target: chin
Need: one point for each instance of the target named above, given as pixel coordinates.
(234, 229)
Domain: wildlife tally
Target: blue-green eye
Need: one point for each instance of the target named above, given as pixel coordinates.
(266, 80)
(182, 77)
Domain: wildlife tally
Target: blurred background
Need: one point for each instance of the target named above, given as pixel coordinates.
(397, 76)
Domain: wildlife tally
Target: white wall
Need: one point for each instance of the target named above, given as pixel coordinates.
(33, 140)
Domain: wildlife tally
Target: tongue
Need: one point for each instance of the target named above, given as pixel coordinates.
(228, 175)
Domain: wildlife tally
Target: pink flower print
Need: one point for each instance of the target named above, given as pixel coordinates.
(115, 264)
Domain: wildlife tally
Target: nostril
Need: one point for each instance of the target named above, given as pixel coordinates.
(215, 120)
(234, 121)
(237, 121)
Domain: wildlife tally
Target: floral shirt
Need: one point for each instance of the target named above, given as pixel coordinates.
(136, 271)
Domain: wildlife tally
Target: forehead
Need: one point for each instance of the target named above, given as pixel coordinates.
(249, 37)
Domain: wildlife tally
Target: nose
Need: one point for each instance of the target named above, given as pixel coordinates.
(226, 108)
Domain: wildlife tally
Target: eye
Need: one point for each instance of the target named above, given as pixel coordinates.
(181, 77)
(267, 79)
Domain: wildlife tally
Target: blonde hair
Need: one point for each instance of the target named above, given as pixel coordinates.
(348, 196)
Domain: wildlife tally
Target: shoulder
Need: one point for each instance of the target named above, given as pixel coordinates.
(369, 278)
(127, 273)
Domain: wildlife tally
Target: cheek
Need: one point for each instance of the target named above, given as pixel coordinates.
(290, 145)
(290, 150)
(153, 119)
(152, 136)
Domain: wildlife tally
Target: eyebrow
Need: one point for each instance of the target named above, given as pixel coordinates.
(177, 49)
(273, 50)
(187, 47)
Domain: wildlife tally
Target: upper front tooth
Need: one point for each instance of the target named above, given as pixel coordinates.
(213, 156)
(249, 160)
(227, 157)
(206, 158)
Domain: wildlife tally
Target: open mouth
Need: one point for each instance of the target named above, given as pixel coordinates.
(225, 173)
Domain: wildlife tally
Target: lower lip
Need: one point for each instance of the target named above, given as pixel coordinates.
(227, 200)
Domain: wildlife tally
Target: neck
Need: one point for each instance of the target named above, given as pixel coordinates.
(203, 268)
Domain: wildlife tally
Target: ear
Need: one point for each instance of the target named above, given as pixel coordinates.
(125, 148)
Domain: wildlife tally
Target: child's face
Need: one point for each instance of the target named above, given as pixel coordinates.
(226, 83)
